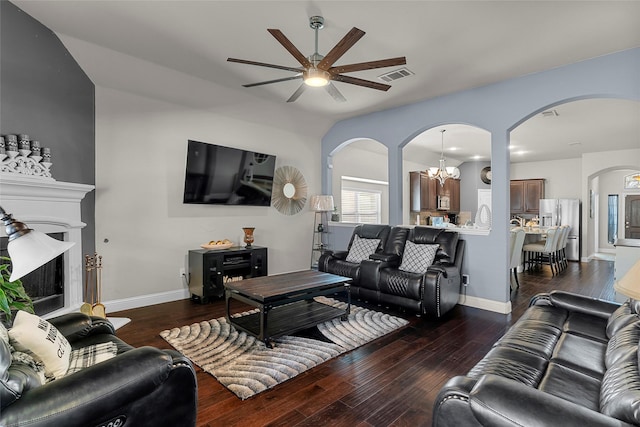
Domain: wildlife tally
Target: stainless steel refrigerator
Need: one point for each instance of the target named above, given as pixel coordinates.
(564, 212)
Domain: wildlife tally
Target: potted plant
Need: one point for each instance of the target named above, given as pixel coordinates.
(13, 297)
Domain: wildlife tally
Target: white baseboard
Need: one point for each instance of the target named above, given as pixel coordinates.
(485, 304)
(145, 300)
(607, 250)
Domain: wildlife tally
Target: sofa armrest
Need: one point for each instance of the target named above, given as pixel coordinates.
(105, 389)
(582, 304)
(340, 254)
(328, 255)
(442, 269)
(451, 407)
(498, 401)
(75, 326)
(390, 259)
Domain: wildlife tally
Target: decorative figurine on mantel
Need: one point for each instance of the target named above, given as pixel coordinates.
(19, 154)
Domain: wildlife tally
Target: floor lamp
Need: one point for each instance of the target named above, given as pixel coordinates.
(320, 204)
(29, 249)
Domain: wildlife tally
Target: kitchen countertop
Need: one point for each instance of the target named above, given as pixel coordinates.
(632, 243)
(476, 231)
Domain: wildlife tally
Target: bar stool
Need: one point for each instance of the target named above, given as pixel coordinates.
(544, 251)
(517, 241)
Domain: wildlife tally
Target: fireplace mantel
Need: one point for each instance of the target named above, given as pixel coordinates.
(50, 206)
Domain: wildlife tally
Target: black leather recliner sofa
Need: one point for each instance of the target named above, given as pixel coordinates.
(335, 262)
(138, 387)
(569, 360)
(379, 280)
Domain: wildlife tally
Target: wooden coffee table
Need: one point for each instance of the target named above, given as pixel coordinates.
(285, 302)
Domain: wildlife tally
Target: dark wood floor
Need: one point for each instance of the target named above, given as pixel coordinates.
(392, 381)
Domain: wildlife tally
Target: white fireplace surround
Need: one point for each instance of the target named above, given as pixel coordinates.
(50, 206)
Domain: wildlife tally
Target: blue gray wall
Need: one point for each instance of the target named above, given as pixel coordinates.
(45, 94)
(498, 108)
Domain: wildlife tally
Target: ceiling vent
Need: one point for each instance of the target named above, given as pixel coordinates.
(395, 74)
(550, 113)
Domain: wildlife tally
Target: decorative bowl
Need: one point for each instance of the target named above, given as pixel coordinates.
(216, 247)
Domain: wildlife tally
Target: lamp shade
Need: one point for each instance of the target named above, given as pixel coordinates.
(33, 250)
(629, 285)
(321, 203)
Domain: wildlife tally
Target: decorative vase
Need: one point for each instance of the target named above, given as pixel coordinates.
(248, 235)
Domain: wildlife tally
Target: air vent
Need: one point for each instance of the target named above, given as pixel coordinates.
(395, 74)
(550, 113)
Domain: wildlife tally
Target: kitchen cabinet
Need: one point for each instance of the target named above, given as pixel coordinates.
(424, 192)
(451, 189)
(525, 195)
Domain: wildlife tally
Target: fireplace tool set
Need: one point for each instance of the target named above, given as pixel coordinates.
(93, 287)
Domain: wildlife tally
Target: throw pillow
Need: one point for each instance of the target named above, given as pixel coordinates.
(417, 258)
(91, 355)
(361, 249)
(36, 336)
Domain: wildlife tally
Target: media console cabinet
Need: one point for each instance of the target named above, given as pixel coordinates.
(210, 269)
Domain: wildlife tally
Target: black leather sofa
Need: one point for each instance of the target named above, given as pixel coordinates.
(568, 361)
(138, 387)
(379, 280)
(335, 262)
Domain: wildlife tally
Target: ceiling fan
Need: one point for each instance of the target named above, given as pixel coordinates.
(318, 70)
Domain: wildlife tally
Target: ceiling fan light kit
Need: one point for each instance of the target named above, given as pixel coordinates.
(316, 78)
(317, 70)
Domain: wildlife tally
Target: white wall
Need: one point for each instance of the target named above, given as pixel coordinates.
(562, 177)
(140, 164)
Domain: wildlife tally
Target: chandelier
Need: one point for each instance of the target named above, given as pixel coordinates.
(442, 173)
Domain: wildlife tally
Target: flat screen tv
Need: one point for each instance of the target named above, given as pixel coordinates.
(221, 175)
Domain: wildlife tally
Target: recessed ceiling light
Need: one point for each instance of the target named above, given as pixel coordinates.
(476, 157)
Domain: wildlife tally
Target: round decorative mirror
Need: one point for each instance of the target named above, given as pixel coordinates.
(289, 190)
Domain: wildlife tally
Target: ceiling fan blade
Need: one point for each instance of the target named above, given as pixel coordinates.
(361, 82)
(390, 62)
(297, 93)
(284, 41)
(263, 64)
(284, 79)
(339, 49)
(335, 93)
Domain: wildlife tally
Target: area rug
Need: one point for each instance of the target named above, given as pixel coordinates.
(246, 366)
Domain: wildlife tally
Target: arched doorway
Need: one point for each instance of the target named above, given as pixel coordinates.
(360, 181)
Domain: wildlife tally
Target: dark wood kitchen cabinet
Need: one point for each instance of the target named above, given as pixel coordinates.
(423, 192)
(525, 195)
(451, 189)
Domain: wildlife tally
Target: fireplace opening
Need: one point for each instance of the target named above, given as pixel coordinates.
(45, 285)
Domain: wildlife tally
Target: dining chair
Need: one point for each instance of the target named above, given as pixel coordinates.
(517, 242)
(562, 243)
(542, 252)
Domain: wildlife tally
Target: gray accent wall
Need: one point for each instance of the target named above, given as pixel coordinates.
(45, 94)
(498, 108)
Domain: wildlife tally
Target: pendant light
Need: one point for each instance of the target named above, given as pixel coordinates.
(442, 173)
